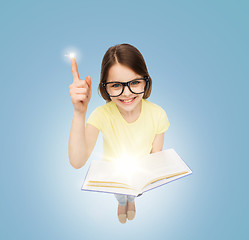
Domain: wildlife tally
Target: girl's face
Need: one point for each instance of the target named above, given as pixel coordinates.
(127, 101)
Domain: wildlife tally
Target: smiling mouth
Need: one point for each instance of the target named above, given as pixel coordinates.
(127, 100)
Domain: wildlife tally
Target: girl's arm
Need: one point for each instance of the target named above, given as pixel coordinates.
(81, 140)
(158, 142)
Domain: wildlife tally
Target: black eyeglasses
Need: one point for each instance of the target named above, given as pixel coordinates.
(136, 86)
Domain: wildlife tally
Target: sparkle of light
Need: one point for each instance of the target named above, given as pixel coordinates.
(70, 55)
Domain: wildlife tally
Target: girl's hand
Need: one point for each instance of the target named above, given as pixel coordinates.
(80, 90)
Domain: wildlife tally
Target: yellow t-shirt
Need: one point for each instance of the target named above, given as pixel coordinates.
(121, 138)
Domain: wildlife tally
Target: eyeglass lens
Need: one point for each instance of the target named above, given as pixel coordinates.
(116, 88)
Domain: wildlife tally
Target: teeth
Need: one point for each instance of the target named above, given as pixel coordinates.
(126, 101)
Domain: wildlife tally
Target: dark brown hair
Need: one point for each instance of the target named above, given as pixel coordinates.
(128, 56)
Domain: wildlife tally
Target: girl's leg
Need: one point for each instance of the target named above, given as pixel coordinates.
(131, 209)
(122, 199)
(130, 198)
(122, 207)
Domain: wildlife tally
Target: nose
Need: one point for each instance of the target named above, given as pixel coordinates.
(126, 91)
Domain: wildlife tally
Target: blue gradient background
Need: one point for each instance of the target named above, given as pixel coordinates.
(197, 54)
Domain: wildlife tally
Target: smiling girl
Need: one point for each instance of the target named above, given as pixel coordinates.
(130, 124)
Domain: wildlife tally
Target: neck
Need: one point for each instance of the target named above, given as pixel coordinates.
(131, 116)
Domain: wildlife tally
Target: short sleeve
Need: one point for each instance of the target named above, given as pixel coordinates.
(95, 118)
(163, 122)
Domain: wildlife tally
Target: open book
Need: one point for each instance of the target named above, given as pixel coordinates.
(139, 176)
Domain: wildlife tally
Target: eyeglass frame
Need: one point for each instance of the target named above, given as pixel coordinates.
(124, 84)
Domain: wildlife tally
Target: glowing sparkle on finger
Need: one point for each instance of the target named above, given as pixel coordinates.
(70, 55)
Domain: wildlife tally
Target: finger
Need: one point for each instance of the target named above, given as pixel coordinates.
(81, 84)
(75, 72)
(88, 81)
(81, 98)
(80, 90)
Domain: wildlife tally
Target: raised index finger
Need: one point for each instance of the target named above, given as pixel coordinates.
(75, 72)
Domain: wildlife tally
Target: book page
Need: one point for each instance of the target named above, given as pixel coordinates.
(136, 176)
(106, 177)
(110, 174)
(163, 181)
(164, 164)
(103, 171)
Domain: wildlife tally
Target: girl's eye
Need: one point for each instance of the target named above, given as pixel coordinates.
(135, 83)
(116, 85)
